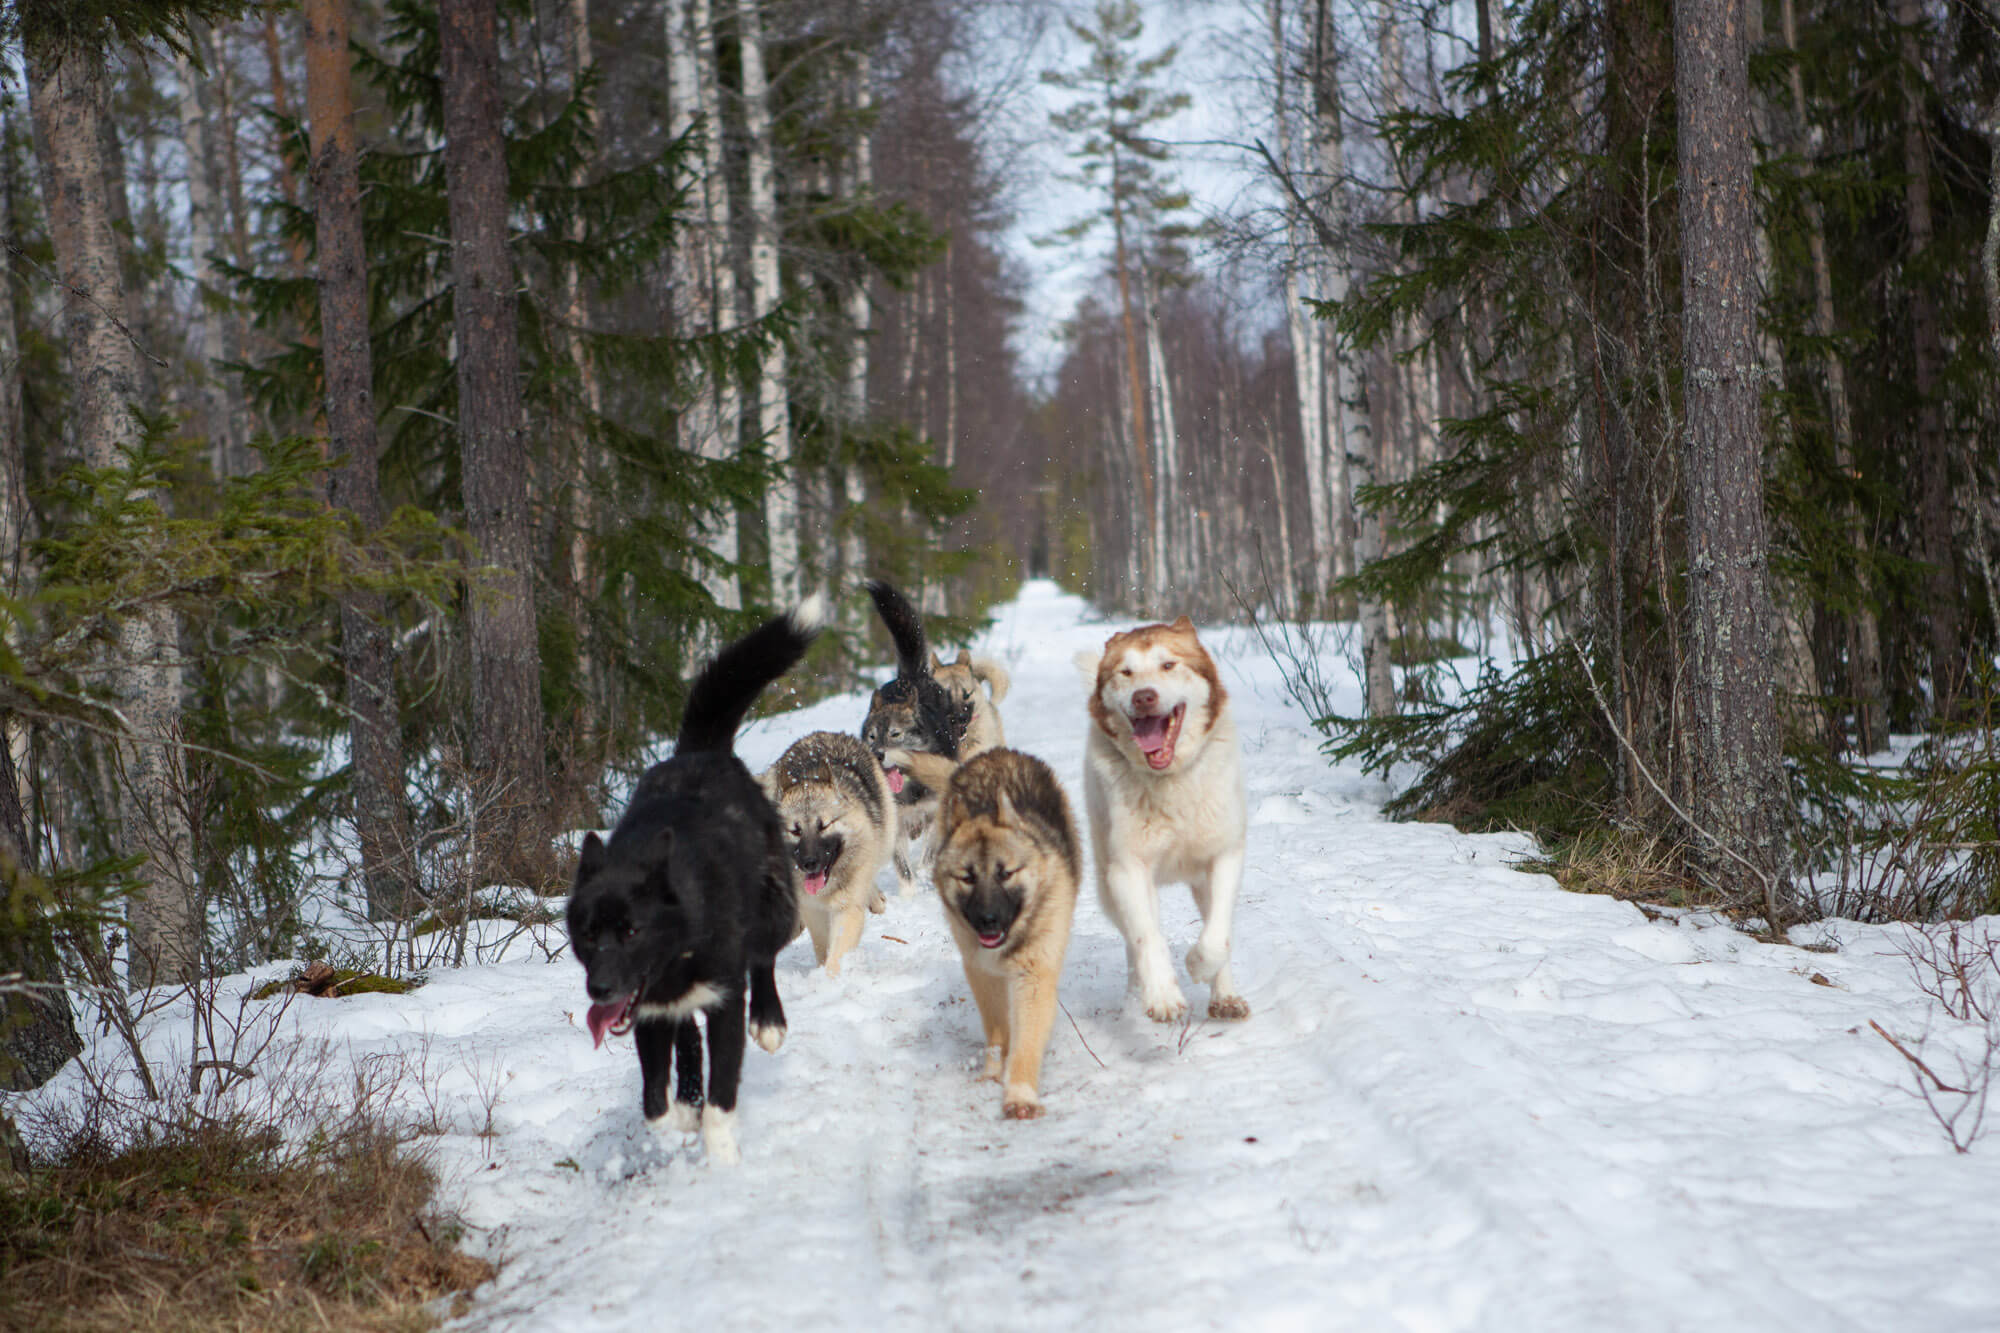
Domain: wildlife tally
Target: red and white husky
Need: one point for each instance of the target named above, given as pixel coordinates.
(1163, 785)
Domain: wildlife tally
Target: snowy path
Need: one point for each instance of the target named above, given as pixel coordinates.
(1465, 1100)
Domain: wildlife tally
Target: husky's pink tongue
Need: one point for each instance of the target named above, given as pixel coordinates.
(603, 1017)
(895, 780)
(814, 883)
(1151, 732)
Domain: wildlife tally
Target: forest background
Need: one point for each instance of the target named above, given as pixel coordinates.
(397, 397)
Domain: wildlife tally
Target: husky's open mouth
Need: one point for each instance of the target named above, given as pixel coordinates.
(614, 1017)
(1155, 736)
(895, 776)
(990, 939)
(814, 882)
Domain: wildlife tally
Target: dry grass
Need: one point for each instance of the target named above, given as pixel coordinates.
(1623, 863)
(216, 1225)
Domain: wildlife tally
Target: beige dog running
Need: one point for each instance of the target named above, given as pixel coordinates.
(1163, 786)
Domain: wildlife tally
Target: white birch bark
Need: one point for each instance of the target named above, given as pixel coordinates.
(216, 417)
(1361, 534)
(774, 422)
(1168, 539)
(859, 313)
(704, 272)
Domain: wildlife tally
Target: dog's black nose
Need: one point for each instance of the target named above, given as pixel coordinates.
(1145, 698)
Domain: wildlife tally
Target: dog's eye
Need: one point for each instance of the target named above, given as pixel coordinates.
(796, 830)
(626, 932)
(1005, 873)
(1124, 671)
(1168, 666)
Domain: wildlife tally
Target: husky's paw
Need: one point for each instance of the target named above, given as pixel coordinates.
(876, 902)
(1166, 1005)
(682, 1118)
(1021, 1104)
(995, 1058)
(1203, 964)
(769, 1035)
(718, 1135)
(1228, 1006)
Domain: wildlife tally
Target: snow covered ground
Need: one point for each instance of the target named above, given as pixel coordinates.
(1466, 1099)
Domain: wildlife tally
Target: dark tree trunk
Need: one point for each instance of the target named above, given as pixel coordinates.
(1932, 453)
(37, 1034)
(1739, 784)
(506, 690)
(380, 815)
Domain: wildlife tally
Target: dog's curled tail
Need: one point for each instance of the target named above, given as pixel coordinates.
(906, 628)
(729, 684)
(996, 677)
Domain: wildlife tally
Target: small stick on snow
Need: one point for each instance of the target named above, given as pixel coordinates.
(1942, 1086)
(1079, 1034)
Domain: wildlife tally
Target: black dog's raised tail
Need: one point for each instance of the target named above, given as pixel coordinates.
(906, 627)
(729, 684)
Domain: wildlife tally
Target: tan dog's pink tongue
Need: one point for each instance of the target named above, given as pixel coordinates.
(896, 780)
(1150, 732)
(814, 883)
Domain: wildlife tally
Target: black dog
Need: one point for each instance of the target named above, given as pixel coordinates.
(911, 712)
(694, 891)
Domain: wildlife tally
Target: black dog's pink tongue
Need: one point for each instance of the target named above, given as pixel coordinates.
(896, 780)
(602, 1017)
(1150, 732)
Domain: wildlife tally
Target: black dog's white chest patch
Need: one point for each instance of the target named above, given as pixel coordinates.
(699, 996)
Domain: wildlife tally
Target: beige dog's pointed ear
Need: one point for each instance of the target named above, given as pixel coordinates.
(1086, 666)
(964, 657)
(1004, 814)
(936, 661)
(1183, 624)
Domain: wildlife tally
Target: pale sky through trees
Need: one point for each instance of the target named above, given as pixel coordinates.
(1215, 38)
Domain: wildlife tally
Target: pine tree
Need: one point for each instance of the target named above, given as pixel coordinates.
(1116, 106)
(1739, 812)
(375, 734)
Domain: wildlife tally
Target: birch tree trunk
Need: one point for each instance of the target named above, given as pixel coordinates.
(66, 92)
(216, 418)
(704, 271)
(1738, 786)
(1172, 587)
(16, 518)
(1360, 533)
(1989, 250)
(1146, 583)
(1306, 334)
(774, 415)
(1933, 456)
(507, 738)
(576, 316)
(381, 816)
(860, 317)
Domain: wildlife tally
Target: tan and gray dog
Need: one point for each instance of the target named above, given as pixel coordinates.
(839, 825)
(976, 686)
(1007, 872)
